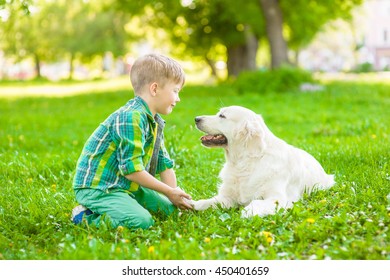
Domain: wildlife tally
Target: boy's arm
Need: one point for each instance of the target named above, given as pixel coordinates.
(174, 194)
(168, 177)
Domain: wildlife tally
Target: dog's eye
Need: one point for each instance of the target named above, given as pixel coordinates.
(222, 116)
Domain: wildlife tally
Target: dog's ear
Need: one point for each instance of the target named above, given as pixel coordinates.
(250, 131)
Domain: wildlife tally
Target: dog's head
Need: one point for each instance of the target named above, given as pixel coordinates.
(232, 125)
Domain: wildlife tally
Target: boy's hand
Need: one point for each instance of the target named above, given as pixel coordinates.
(179, 198)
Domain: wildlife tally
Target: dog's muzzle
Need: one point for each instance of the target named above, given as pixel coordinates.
(210, 140)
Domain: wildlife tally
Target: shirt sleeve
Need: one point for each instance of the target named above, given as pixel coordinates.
(164, 161)
(128, 131)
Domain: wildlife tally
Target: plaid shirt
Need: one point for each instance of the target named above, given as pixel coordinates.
(121, 145)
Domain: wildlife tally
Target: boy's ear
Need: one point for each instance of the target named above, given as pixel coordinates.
(153, 89)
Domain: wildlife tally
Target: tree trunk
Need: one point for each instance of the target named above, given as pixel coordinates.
(274, 27)
(296, 58)
(71, 66)
(211, 64)
(37, 66)
(242, 57)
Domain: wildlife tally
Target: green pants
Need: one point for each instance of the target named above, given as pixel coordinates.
(124, 209)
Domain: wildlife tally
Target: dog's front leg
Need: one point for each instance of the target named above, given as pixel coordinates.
(260, 208)
(204, 204)
(264, 207)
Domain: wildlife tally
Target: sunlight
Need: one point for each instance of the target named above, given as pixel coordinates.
(62, 90)
(378, 77)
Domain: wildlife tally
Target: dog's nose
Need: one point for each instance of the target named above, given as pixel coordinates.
(197, 119)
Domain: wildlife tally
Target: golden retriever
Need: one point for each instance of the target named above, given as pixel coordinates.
(262, 172)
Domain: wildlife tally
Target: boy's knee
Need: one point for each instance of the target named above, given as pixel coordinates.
(142, 221)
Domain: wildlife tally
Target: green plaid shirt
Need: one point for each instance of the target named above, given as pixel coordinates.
(121, 145)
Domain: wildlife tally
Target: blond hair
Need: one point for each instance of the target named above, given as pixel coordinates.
(155, 68)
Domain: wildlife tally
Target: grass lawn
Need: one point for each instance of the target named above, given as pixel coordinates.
(346, 128)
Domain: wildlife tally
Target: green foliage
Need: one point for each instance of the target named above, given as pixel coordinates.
(197, 27)
(201, 29)
(23, 5)
(344, 127)
(55, 30)
(279, 80)
(364, 68)
(305, 18)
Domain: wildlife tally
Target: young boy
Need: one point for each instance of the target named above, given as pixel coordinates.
(115, 172)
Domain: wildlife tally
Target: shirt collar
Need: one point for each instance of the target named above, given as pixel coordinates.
(144, 106)
(157, 118)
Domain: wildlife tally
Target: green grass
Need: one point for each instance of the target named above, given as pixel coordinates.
(346, 128)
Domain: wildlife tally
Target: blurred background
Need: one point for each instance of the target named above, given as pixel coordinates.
(215, 40)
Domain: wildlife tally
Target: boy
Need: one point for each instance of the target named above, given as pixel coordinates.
(115, 172)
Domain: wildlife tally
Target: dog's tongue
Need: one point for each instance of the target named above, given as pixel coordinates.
(207, 137)
(218, 139)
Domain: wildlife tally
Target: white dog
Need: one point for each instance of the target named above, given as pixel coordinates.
(262, 172)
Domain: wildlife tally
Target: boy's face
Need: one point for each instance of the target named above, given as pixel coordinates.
(166, 97)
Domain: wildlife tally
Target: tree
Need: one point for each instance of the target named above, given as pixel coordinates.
(89, 29)
(22, 35)
(53, 30)
(274, 26)
(217, 22)
(199, 28)
(308, 17)
(301, 20)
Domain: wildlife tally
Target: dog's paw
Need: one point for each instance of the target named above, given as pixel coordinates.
(200, 205)
(246, 213)
(189, 201)
(259, 208)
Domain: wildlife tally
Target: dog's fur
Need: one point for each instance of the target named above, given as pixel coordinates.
(262, 172)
